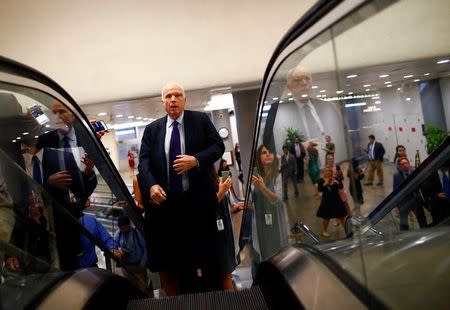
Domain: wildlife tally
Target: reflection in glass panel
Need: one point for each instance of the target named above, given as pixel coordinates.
(53, 179)
(344, 123)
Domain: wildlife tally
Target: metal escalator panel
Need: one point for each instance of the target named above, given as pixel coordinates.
(245, 299)
(52, 168)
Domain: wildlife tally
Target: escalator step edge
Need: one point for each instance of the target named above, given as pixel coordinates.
(243, 299)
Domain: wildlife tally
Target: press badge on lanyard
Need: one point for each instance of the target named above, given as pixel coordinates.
(220, 225)
(268, 218)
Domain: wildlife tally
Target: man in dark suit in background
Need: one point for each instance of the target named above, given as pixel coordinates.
(312, 117)
(288, 169)
(299, 152)
(65, 182)
(413, 201)
(437, 193)
(177, 153)
(375, 151)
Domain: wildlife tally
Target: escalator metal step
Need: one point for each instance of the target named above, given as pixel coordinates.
(244, 299)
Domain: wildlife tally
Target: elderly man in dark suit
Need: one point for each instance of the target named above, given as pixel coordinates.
(66, 182)
(312, 117)
(176, 156)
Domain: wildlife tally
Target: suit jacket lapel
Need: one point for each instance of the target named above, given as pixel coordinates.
(187, 132)
(161, 141)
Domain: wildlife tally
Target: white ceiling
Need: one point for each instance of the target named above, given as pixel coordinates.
(107, 50)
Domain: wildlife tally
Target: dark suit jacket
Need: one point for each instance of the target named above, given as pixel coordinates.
(68, 232)
(81, 188)
(439, 208)
(378, 151)
(302, 150)
(181, 234)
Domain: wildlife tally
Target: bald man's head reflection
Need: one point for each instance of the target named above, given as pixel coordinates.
(299, 83)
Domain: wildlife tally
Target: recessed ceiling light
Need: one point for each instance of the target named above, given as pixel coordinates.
(18, 138)
(443, 61)
(408, 76)
(289, 94)
(377, 102)
(119, 115)
(399, 89)
(291, 99)
(13, 140)
(275, 98)
(350, 93)
(25, 133)
(387, 82)
(390, 85)
(281, 101)
(351, 76)
(339, 92)
(101, 114)
(138, 117)
(427, 74)
(46, 131)
(47, 126)
(131, 116)
(314, 87)
(304, 95)
(408, 99)
(36, 137)
(357, 104)
(319, 96)
(265, 102)
(416, 80)
(367, 89)
(367, 85)
(383, 76)
(322, 91)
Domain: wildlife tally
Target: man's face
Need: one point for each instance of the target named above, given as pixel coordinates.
(300, 84)
(328, 139)
(173, 100)
(404, 165)
(285, 150)
(63, 113)
(371, 140)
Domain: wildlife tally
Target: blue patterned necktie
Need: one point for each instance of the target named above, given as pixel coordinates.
(37, 175)
(175, 180)
(446, 184)
(69, 160)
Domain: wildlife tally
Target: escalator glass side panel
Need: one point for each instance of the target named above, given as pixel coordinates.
(355, 96)
(60, 198)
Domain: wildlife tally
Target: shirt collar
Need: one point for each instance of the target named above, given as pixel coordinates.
(70, 134)
(303, 104)
(171, 120)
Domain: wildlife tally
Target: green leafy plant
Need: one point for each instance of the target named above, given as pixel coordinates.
(291, 134)
(435, 137)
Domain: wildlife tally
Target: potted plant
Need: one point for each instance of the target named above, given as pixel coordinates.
(291, 134)
(435, 136)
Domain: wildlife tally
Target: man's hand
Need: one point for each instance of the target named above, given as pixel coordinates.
(442, 195)
(183, 163)
(117, 253)
(157, 195)
(88, 163)
(60, 179)
(12, 264)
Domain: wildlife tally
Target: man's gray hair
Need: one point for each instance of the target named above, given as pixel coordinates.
(172, 84)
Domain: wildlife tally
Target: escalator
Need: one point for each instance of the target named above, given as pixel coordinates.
(372, 262)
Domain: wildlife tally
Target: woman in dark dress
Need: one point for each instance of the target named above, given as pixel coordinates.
(225, 229)
(331, 205)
